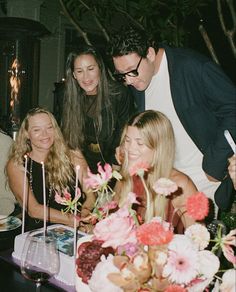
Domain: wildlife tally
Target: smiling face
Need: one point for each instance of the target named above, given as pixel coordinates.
(87, 73)
(41, 132)
(146, 69)
(135, 147)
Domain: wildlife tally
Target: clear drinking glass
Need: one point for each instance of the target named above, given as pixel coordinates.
(40, 258)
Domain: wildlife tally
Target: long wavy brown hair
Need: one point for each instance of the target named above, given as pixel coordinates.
(75, 100)
(58, 166)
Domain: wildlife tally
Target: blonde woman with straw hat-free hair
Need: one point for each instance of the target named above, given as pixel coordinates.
(41, 140)
(148, 137)
(7, 199)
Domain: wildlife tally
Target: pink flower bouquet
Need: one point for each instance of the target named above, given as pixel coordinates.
(99, 184)
(150, 257)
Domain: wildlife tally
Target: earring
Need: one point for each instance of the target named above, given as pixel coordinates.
(28, 142)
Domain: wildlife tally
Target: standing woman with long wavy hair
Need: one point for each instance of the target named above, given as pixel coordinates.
(95, 107)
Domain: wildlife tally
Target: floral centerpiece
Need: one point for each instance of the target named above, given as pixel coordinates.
(122, 255)
(150, 257)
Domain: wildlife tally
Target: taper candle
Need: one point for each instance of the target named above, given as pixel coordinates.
(24, 195)
(44, 199)
(75, 211)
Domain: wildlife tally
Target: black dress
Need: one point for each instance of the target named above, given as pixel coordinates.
(35, 177)
(100, 146)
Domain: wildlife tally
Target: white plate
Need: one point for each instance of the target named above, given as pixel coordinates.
(9, 223)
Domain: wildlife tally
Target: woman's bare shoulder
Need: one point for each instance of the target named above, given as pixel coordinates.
(11, 165)
(182, 180)
(179, 177)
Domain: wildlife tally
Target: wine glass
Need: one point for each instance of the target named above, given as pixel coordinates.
(40, 258)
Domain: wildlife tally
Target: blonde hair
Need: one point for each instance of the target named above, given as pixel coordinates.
(157, 133)
(58, 166)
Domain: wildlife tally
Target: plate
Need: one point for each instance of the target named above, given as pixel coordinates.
(79, 284)
(9, 223)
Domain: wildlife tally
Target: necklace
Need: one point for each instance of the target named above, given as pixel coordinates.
(90, 105)
(31, 183)
(98, 145)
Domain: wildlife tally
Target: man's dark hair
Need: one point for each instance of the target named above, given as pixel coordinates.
(130, 39)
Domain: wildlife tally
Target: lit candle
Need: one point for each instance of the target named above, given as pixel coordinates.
(24, 195)
(44, 200)
(75, 211)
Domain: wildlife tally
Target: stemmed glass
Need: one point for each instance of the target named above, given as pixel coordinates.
(40, 258)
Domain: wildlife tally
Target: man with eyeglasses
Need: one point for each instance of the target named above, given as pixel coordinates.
(197, 97)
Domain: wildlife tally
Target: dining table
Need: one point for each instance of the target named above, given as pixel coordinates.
(11, 278)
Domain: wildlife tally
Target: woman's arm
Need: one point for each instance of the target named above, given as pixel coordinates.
(78, 159)
(186, 189)
(15, 175)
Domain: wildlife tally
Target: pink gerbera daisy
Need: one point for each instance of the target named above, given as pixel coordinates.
(182, 264)
(197, 206)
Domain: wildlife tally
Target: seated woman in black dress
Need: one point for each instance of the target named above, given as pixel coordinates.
(41, 140)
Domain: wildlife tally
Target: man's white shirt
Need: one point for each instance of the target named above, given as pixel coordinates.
(188, 157)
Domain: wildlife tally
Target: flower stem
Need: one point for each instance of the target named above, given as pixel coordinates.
(148, 208)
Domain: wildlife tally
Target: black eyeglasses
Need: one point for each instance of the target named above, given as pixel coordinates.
(131, 73)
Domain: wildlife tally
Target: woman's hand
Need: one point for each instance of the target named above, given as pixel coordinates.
(86, 224)
(232, 169)
(119, 155)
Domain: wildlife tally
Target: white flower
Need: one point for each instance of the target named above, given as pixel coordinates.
(208, 267)
(99, 280)
(199, 234)
(182, 264)
(209, 264)
(181, 242)
(165, 186)
(228, 281)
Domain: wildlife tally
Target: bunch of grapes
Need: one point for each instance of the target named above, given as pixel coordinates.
(89, 254)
